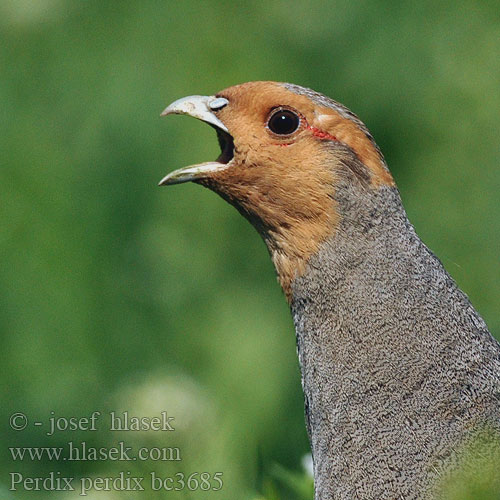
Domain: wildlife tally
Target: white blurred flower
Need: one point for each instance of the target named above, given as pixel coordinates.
(307, 464)
(178, 395)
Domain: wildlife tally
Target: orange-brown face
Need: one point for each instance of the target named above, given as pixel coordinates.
(278, 165)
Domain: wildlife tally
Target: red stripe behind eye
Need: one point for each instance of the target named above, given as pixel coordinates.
(321, 134)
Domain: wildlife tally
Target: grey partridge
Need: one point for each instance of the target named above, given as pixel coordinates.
(398, 369)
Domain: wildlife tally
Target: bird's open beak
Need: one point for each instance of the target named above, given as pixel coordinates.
(203, 108)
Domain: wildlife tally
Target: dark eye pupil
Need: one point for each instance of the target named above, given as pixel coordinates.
(284, 122)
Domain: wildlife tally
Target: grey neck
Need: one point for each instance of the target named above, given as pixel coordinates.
(381, 327)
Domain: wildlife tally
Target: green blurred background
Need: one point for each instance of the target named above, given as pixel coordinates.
(120, 295)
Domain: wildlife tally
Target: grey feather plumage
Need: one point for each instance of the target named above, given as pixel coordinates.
(398, 369)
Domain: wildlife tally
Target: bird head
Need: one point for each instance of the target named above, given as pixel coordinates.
(284, 151)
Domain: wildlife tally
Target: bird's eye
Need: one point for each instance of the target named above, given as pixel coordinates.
(283, 122)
